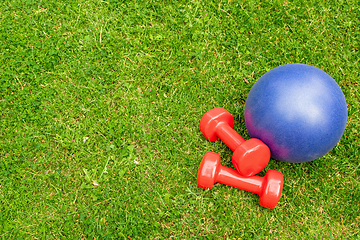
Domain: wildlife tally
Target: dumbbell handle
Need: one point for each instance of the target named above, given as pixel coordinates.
(228, 135)
(231, 177)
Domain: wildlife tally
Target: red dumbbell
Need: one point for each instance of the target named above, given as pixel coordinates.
(269, 187)
(250, 157)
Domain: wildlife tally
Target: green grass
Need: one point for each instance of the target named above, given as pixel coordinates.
(100, 108)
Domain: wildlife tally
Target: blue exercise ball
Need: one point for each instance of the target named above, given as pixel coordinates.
(298, 110)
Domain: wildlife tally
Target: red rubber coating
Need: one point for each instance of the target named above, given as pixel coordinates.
(250, 157)
(269, 187)
(219, 123)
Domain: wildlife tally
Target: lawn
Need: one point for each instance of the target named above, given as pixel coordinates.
(100, 108)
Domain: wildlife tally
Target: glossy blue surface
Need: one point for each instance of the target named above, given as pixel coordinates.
(298, 110)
